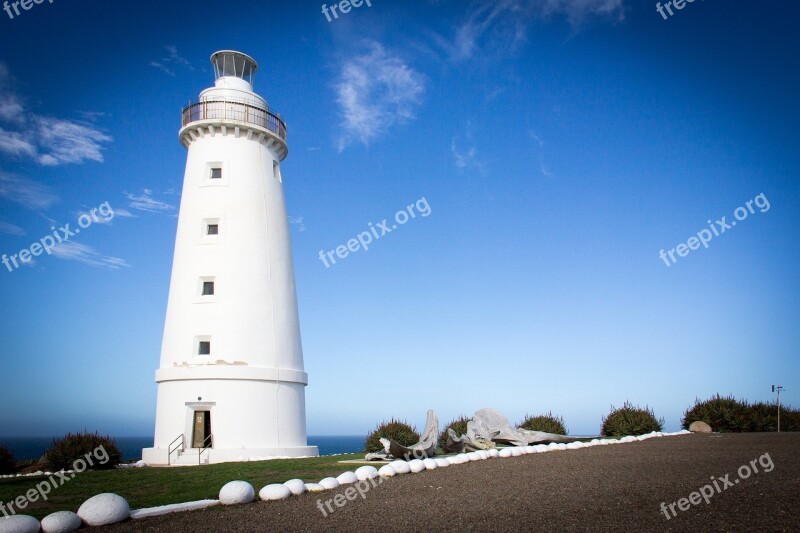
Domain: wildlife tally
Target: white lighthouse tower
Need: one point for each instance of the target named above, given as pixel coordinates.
(231, 383)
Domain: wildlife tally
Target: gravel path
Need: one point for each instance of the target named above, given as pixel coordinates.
(617, 487)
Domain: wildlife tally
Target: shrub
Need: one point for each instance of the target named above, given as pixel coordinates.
(548, 423)
(630, 420)
(762, 417)
(7, 464)
(74, 446)
(723, 414)
(395, 430)
(459, 425)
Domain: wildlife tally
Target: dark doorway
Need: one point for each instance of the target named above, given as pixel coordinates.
(202, 429)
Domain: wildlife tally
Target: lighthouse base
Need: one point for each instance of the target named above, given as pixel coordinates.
(192, 456)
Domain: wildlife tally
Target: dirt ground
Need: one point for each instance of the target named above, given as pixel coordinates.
(617, 487)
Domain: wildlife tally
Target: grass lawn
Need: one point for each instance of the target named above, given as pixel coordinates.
(149, 487)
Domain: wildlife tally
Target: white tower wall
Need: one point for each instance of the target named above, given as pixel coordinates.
(251, 383)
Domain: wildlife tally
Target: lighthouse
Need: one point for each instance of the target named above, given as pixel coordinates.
(231, 382)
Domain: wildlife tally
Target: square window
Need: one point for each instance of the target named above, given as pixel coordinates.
(212, 229)
(208, 288)
(204, 348)
(216, 173)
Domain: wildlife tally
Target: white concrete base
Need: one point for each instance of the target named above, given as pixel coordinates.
(158, 456)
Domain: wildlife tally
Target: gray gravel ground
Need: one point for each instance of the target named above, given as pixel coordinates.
(603, 488)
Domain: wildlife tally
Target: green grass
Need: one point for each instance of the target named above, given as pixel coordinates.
(150, 487)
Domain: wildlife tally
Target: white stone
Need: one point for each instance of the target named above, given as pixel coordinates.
(19, 524)
(147, 512)
(366, 472)
(574, 445)
(506, 452)
(104, 509)
(296, 486)
(541, 448)
(236, 492)
(61, 522)
(386, 471)
(346, 478)
(516, 452)
(530, 449)
(442, 462)
(329, 483)
(430, 464)
(314, 487)
(483, 454)
(274, 491)
(416, 465)
(493, 452)
(401, 467)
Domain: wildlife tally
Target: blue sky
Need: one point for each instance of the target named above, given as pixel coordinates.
(559, 144)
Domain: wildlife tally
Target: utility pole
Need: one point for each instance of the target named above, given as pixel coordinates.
(778, 389)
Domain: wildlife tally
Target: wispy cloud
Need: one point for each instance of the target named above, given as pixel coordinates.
(375, 91)
(124, 213)
(146, 202)
(26, 193)
(11, 229)
(69, 142)
(171, 61)
(506, 23)
(50, 141)
(75, 251)
(468, 155)
(297, 221)
(542, 167)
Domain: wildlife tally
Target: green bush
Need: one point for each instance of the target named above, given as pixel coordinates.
(395, 430)
(548, 423)
(7, 464)
(732, 415)
(763, 417)
(630, 420)
(102, 451)
(459, 425)
(723, 414)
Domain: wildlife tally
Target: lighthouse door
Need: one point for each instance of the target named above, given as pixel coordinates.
(202, 429)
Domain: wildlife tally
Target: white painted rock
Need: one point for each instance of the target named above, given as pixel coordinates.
(401, 467)
(574, 445)
(274, 491)
(473, 456)
(506, 452)
(366, 472)
(530, 449)
(540, 448)
(329, 483)
(516, 452)
(314, 487)
(698, 426)
(430, 464)
(386, 471)
(483, 454)
(346, 478)
(19, 524)
(416, 465)
(629, 438)
(236, 492)
(61, 522)
(442, 462)
(296, 486)
(104, 509)
(493, 452)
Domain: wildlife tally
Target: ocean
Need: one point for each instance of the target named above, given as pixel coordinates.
(28, 448)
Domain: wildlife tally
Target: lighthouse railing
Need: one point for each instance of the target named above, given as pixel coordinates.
(234, 111)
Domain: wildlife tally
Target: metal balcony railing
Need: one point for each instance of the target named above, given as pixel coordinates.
(235, 111)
